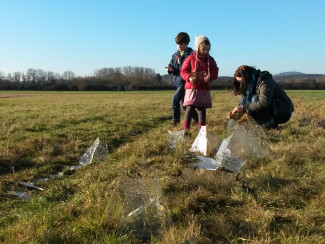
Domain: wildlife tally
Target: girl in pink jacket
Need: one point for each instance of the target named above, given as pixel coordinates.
(198, 70)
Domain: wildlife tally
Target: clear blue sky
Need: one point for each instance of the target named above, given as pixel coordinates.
(82, 36)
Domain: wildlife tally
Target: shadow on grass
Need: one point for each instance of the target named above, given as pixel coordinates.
(7, 166)
(69, 122)
(205, 205)
(279, 223)
(60, 193)
(137, 129)
(37, 128)
(275, 183)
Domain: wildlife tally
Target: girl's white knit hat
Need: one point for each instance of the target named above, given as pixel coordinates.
(198, 41)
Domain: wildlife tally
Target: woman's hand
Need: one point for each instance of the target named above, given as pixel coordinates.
(236, 110)
(229, 116)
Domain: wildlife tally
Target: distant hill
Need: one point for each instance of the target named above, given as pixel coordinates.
(295, 74)
(289, 73)
(298, 80)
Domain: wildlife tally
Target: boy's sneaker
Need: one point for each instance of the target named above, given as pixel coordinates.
(175, 122)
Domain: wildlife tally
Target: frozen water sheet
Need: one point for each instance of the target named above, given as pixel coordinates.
(206, 163)
(201, 142)
(245, 138)
(144, 209)
(175, 137)
(248, 138)
(96, 152)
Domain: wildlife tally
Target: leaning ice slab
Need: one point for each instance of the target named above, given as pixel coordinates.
(97, 151)
(245, 138)
(201, 142)
(226, 158)
(248, 137)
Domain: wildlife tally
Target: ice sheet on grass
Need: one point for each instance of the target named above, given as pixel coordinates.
(226, 158)
(248, 138)
(30, 185)
(144, 212)
(200, 143)
(205, 163)
(20, 194)
(205, 143)
(174, 138)
(96, 152)
(245, 138)
(51, 177)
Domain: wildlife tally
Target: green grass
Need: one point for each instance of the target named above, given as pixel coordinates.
(44, 132)
(307, 93)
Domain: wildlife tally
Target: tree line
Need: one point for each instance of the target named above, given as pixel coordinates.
(122, 78)
(317, 83)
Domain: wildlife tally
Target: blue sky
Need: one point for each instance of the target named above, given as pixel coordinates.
(82, 36)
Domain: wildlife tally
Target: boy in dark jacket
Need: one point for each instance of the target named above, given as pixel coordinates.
(174, 67)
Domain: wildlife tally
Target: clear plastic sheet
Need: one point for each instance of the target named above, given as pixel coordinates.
(175, 137)
(143, 211)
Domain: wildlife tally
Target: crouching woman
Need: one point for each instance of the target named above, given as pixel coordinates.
(262, 98)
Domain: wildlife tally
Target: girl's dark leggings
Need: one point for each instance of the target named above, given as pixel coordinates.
(189, 110)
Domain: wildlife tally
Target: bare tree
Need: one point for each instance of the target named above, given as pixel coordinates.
(68, 75)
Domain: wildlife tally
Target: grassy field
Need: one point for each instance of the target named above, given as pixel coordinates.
(42, 133)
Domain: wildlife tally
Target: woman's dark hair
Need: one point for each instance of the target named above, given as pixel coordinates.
(245, 72)
(182, 37)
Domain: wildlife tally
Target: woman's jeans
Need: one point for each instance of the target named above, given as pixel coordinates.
(267, 117)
